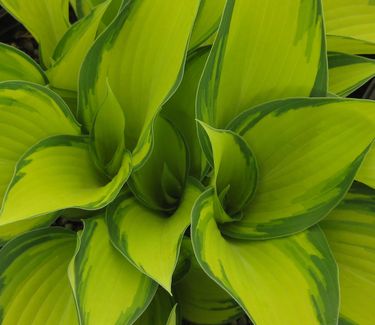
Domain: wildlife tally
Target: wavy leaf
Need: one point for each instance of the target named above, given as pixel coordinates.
(16, 65)
(141, 56)
(295, 277)
(56, 174)
(157, 253)
(350, 231)
(34, 283)
(244, 68)
(307, 161)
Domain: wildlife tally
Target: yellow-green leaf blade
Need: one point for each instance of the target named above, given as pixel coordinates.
(35, 287)
(207, 22)
(294, 277)
(156, 255)
(180, 110)
(159, 310)
(307, 161)
(244, 69)
(350, 26)
(72, 48)
(201, 299)
(56, 174)
(366, 173)
(348, 72)
(141, 56)
(46, 20)
(28, 114)
(235, 174)
(350, 231)
(98, 271)
(16, 65)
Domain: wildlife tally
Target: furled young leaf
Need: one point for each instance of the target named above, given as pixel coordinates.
(307, 161)
(207, 21)
(34, 283)
(292, 280)
(350, 26)
(265, 49)
(235, 175)
(107, 288)
(108, 133)
(201, 299)
(72, 48)
(16, 65)
(350, 230)
(159, 310)
(28, 114)
(348, 72)
(56, 174)
(160, 182)
(141, 56)
(180, 110)
(46, 20)
(157, 253)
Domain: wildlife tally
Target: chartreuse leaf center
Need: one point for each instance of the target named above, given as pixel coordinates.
(235, 171)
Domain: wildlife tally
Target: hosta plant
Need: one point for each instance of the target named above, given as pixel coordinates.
(190, 161)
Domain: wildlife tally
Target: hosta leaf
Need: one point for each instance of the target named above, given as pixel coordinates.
(235, 168)
(173, 318)
(141, 56)
(108, 134)
(71, 50)
(350, 26)
(159, 310)
(46, 20)
(307, 161)
(180, 109)
(83, 8)
(157, 253)
(366, 173)
(56, 174)
(28, 114)
(244, 68)
(207, 21)
(16, 65)
(201, 299)
(294, 277)
(348, 72)
(350, 230)
(159, 183)
(107, 288)
(34, 283)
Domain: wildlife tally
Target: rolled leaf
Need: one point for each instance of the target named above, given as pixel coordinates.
(160, 182)
(46, 20)
(72, 48)
(350, 26)
(157, 253)
(141, 56)
(307, 161)
(257, 273)
(56, 174)
(34, 280)
(16, 65)
(348, 72)
(235, 174)
(244, 67)
(350, 231)
(207, 21)
(180, 110)
(107, 288)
